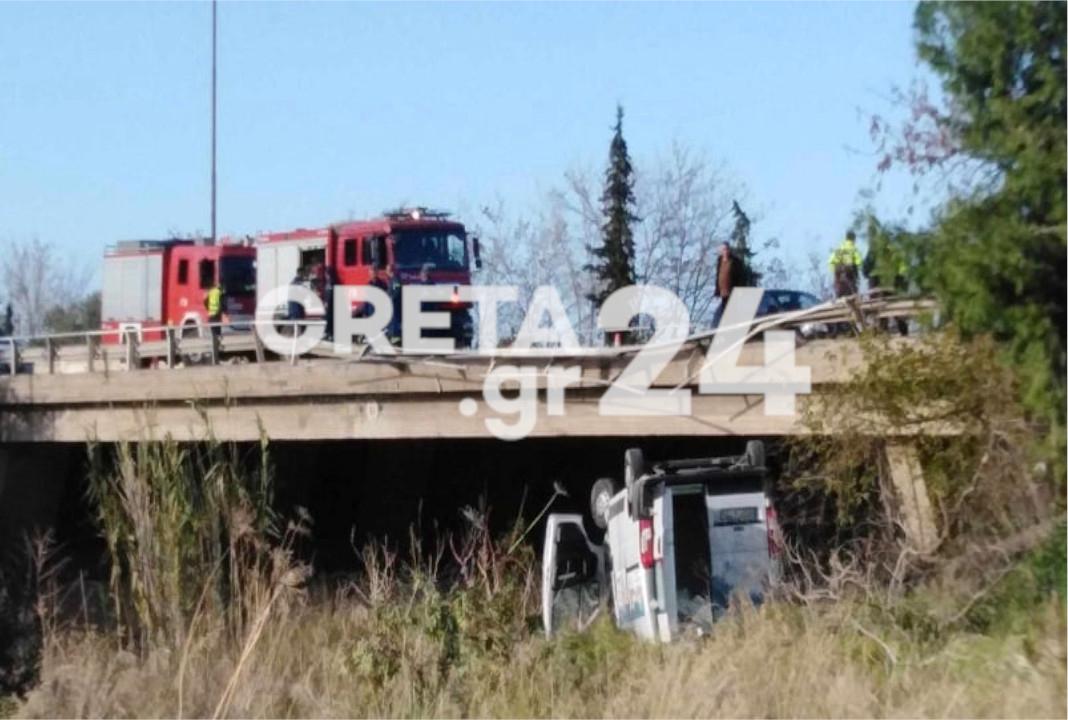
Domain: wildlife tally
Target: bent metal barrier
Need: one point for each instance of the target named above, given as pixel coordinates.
(515, 393)
(85, 351)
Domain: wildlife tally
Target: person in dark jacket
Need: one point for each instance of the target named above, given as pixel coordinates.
(294, 310)
(729, 274)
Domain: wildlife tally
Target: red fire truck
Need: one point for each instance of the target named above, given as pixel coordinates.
(149, 284)
(403, 247)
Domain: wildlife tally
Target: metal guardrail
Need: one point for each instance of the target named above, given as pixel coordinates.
(33, 353)
(28, 353)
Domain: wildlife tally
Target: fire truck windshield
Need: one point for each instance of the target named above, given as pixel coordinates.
(238, 275)
(439, 250)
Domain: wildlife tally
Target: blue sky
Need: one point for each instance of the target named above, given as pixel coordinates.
(329, 109)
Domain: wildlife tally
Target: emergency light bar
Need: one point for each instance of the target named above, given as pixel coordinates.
(416, 213)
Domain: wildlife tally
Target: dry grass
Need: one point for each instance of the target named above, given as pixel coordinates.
(313, 660)
(455, 632)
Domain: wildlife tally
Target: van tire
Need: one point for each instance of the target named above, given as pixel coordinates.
(601, 494)
(754, 453)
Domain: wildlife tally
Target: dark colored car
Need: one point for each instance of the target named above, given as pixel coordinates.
(777, 301)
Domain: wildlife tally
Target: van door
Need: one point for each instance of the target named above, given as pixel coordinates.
(572, 579)
(738, 534)
(687, 558)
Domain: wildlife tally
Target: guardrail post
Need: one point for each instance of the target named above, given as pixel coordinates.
(132, 360)
(258, 343)
(172, 351)
(214, 336)
(90, 351)
(50, 351)
(14, 364)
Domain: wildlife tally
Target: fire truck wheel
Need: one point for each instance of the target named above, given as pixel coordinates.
(754, 453)
(600, 496)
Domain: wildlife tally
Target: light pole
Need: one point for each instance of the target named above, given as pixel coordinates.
(214, 24)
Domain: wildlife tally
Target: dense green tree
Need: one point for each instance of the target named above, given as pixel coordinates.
(613, 260)
(741, 248)
(995, 255)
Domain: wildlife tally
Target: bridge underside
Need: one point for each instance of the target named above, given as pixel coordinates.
(359, 489)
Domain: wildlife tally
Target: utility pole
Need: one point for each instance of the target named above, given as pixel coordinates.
(214, 33)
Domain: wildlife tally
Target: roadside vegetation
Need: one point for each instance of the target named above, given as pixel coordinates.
(211, 611)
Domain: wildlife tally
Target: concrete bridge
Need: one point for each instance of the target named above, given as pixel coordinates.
(397, 397)
(400, 398)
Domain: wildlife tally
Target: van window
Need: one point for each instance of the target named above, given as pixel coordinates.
(183, 272)
(350, 251)
(736, 516)
(207, 274)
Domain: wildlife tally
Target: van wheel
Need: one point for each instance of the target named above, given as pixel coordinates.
(633, 466)
(600, 496)
(754, 453)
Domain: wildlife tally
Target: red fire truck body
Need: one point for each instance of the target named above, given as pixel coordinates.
(401, 248)
(149, 284)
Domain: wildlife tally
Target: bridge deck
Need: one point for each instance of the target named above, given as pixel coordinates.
(318, 399)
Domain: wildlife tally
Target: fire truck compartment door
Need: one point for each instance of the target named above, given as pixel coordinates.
(572, 574)
(275, 267)
(132, 288)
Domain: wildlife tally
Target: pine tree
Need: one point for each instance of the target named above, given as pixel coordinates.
(740, 246)
(995, 258)
(613, 264)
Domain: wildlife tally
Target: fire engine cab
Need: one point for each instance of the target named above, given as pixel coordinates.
(403, 247)
(683, 539)
(149, 284)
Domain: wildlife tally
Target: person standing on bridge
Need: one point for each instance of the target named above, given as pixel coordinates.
(213, 304)
(845, 264)
(729, 273)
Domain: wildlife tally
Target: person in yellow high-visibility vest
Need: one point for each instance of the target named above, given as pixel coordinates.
(213, 304)
(845, 264)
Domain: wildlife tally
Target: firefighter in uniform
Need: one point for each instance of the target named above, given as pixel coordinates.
(845, 265)
(213, 304)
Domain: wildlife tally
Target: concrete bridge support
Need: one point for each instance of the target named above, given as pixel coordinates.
(910, 491)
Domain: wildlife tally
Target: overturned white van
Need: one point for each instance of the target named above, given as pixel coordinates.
(683, 538)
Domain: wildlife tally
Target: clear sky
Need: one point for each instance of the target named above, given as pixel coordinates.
(329, 109)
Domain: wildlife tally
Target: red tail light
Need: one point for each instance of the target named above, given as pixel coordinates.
(774, 534)
(645, 541)
(455, 299)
